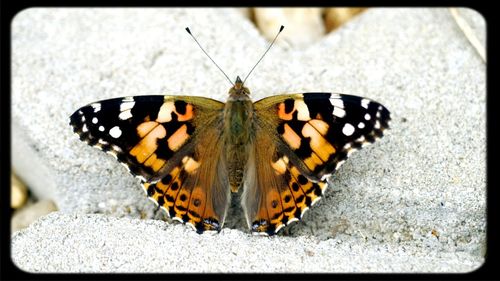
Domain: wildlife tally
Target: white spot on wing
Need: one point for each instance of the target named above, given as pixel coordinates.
(337, 103)
(339, 112)
(364, 103)
(115, 132)
(348, 129)
(278, 228)
(191, 225)
(303, 212)
(112, 153)
(96, 106)
(116, 148)
(367, 117)
(360, 139)
(125, 165)
(315, 201)
(361, 125)
(177, 219)
(101, 128)
(84, 128)
(124, 115)
(154, 201)
(95, 120)
(339, 164)
(127, 105)
(292, 220)
(144, 189)
(165, 209)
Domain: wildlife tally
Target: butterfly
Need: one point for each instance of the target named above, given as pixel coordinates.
(190, 153)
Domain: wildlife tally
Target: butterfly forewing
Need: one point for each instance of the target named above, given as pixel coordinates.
(148, 134)
(318, 131)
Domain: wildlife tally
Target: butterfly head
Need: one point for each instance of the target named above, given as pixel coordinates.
(238, 89)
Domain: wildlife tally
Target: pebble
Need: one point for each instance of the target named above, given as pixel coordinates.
(335, 17)
(18, 192)
(303, 26)
(23, 217)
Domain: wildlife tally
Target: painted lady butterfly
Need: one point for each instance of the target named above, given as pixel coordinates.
(190, 153)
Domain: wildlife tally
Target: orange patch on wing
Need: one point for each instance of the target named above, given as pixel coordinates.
(298, 195)
(290, 205)
(274, 207)
(318, 143)
(197, 204)
(291, 137)
(178, 138)
(280, 165)
(282, 114)
(144, 128)
(190, 165)
(209, 211)
(188, 115)
(313, 161)
(181, 201)
(148, 145)
(158, 164)
(320, 125)
(150, 160)
(172, 193)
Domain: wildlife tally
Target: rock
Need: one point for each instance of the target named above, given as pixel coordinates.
(335, 17)
(246, 12)
(25, 216)
(303, 26)
(18, 192)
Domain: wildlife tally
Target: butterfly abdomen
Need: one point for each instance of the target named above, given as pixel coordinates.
(238, 114)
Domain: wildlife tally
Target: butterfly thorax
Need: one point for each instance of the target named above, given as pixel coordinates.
(238, 114)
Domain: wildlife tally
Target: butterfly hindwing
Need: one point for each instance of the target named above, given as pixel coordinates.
(276, 193)
(196, 191)
(301, 139)
(163, 140)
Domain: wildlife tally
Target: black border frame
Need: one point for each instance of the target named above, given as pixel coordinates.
(9, 271)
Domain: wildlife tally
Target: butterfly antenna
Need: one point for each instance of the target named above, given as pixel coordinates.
(189, 31)
(281, 29)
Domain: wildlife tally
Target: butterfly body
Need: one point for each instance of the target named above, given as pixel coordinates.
(190, 153)
(238, 125)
